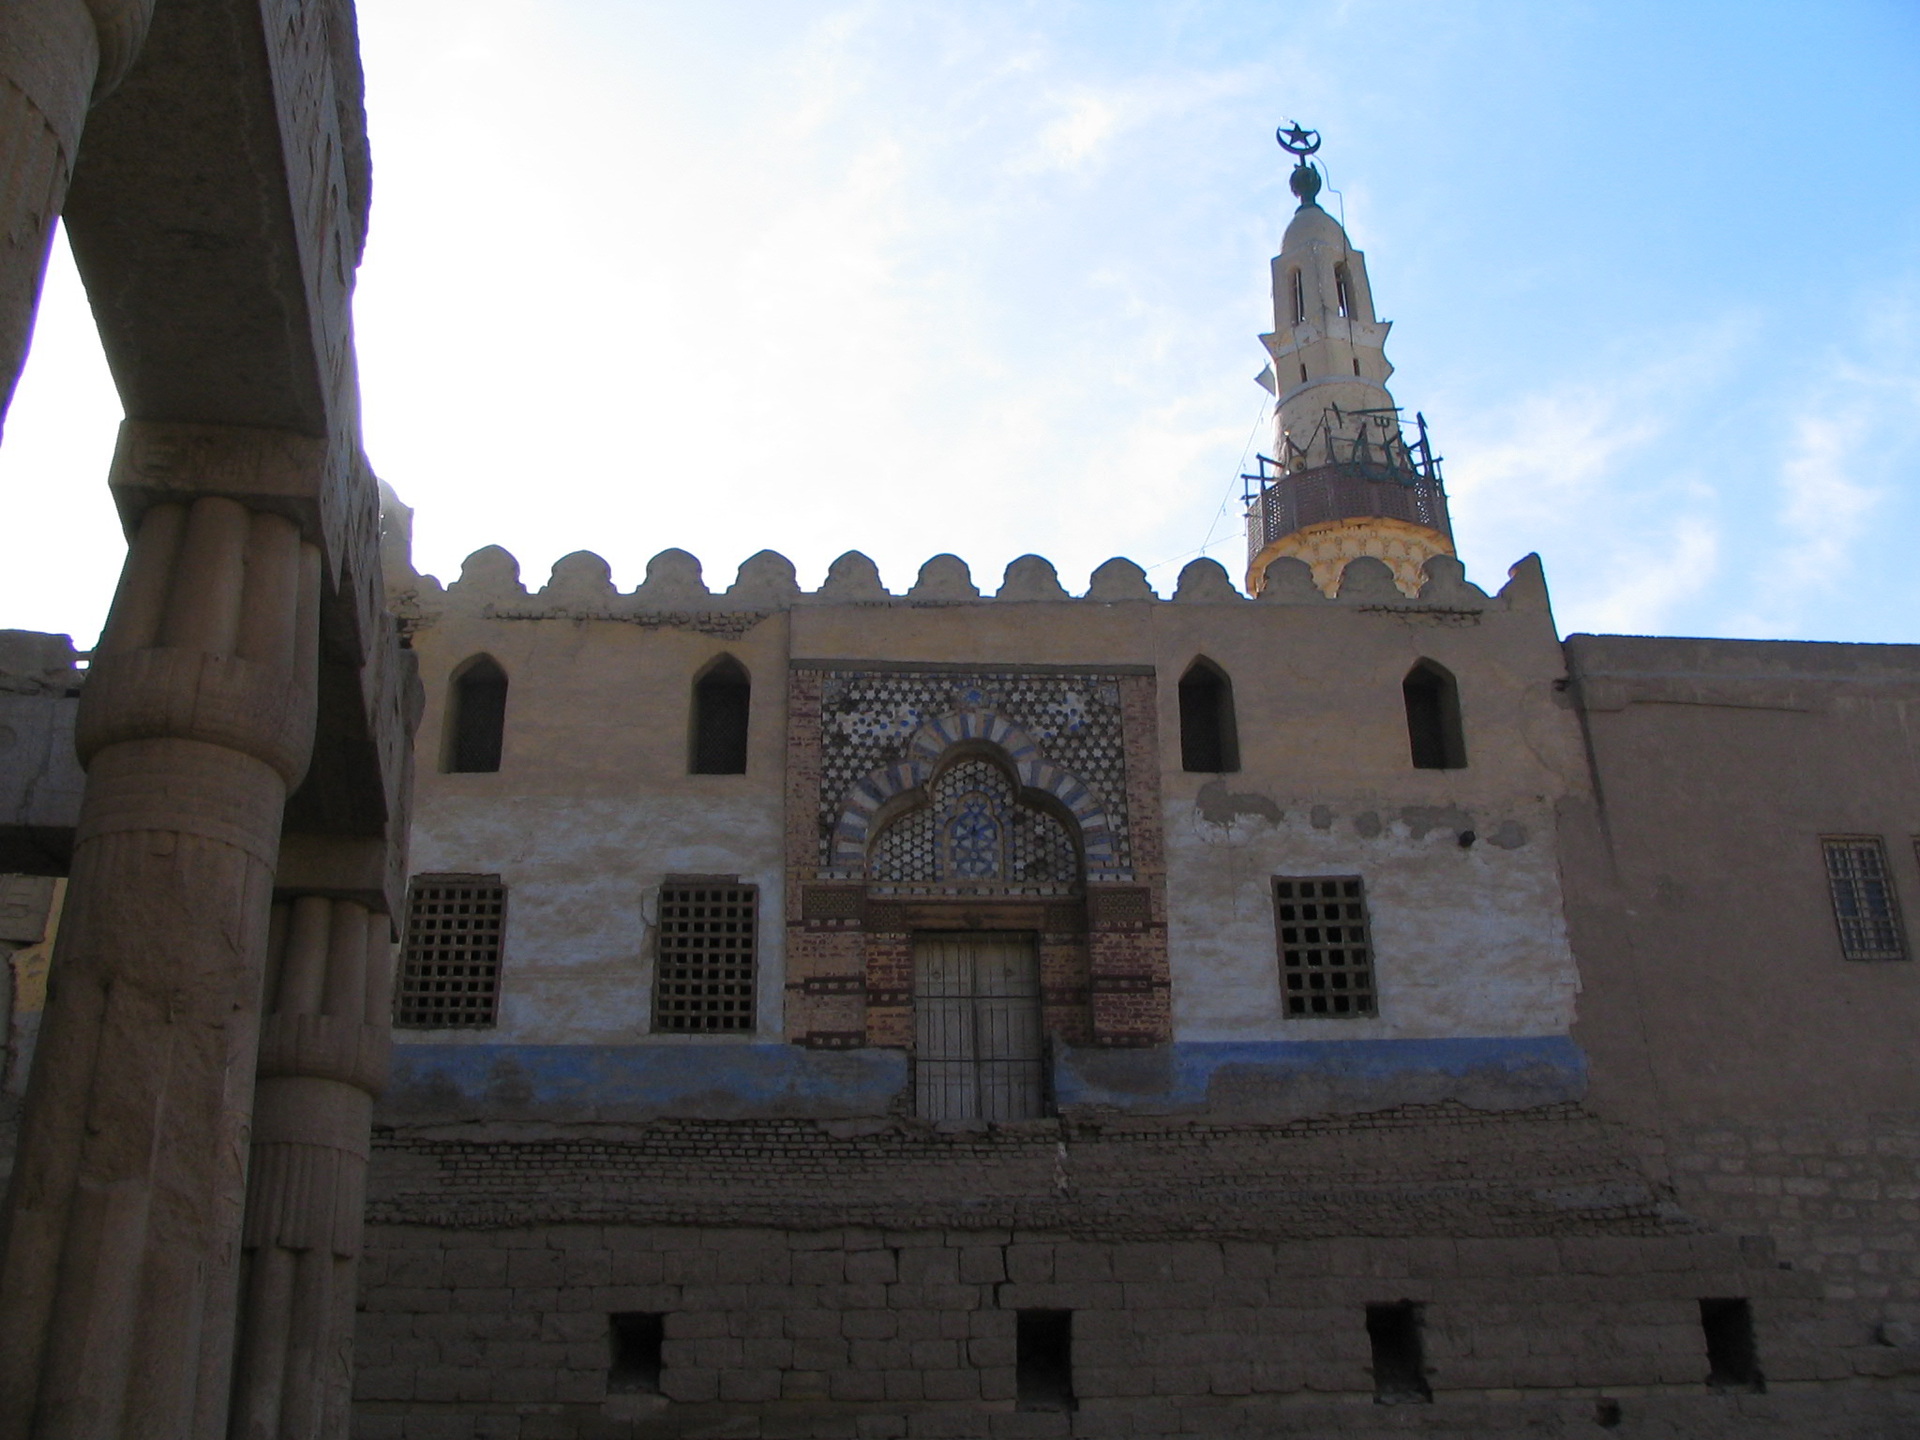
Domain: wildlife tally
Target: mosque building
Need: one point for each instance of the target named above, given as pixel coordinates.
(1324, 1001)
(1090, 1012)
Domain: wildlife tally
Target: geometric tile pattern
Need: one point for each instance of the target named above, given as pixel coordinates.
(886, 732)
(974, 831)
(926, 750)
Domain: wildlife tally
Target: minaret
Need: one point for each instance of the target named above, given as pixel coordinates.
(1344, 481)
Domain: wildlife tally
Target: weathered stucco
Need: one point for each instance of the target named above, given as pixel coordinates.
(592, 805)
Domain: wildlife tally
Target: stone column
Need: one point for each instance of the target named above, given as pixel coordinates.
(56, 58)
(123, 1223)
(323, 1059)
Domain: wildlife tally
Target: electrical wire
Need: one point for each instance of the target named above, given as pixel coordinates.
(1225, 500)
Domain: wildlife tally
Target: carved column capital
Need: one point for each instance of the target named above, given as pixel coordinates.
(122, 28)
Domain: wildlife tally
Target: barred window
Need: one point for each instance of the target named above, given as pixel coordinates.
(1326, 956)
(703, 967)
(1864, 906)
(450, 970)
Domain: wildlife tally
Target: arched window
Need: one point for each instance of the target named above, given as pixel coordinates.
(1433, 717)
(476, 717)
(1209, 740)
(1343, 290)
(1299, 288)
(722, 697)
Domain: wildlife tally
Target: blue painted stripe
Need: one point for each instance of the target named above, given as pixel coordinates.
(718, 1081)
(1535, 1069)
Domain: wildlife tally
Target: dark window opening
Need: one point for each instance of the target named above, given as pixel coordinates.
(636, 1339)
(721, 701)
(1043, 1359)
(1864, 906)
(1303, 372)
(1434, 732)
(1299, 287)
(1209, 739)
(1732, 1362)
(1399, 1358)
(477, 717)
(1356, 365)
(1343, 291)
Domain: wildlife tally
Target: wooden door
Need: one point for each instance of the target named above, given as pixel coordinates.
(976, 1027)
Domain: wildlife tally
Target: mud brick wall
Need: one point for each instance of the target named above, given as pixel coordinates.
(1430, 1169)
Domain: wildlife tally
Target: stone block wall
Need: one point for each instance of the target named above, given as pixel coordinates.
(862, 1278)
(1844, 1206)
(868, 1332)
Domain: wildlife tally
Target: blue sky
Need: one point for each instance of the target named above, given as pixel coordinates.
(916, 277)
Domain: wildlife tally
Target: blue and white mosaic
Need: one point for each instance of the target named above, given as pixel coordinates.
(886, 732)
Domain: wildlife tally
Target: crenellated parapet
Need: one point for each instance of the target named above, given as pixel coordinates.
(675, 593)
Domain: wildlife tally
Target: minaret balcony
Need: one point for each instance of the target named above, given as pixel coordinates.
(1344, 490)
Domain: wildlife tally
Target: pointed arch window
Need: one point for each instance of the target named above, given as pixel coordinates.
(1209, 739)
(1434, 733)
(476, 717)
(1297, 286)
(1343, 289)
(722, 701)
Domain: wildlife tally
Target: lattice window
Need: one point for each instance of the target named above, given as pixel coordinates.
(1326, 955)
(450, 972)
(703, 966)
(1864, 905)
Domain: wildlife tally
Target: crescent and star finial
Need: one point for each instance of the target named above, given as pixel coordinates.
(1300, 142)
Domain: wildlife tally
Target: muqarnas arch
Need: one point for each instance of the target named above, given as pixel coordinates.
(877, 797)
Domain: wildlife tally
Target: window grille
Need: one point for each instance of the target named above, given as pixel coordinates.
(1864, 905)
(703, 969)
(976, 1028)
(450, 970)
(1326, 955)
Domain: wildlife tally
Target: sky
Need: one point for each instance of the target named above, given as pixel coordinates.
(912, 277)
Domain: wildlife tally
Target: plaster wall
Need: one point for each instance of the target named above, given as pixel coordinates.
(1768, 1078)
(592, 805)
(1469, 939)
(1702, 890)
